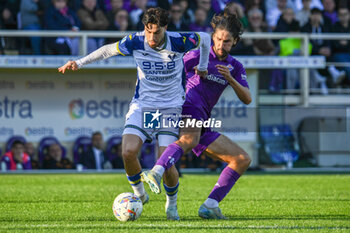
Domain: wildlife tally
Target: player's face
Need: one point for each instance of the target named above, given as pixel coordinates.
(223, 42)
(154, 35)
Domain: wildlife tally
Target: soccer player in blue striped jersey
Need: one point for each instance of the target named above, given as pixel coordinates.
(159, 88)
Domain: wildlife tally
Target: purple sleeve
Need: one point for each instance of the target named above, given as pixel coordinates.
(239, 74)
(191, 59)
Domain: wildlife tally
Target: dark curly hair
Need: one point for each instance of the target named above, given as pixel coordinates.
(228, 22)
(156, 16)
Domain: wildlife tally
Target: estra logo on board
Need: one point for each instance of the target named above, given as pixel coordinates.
(114, 108)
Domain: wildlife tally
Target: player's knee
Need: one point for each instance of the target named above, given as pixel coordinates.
(242, 160)
(188, 142)
(245, 159)
(129, 154)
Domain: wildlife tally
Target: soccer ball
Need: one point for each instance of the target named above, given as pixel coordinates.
(127, 207)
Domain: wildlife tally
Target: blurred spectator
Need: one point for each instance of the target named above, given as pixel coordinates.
(30, 150)
(116, 5)
(92, 19)
(30, 21)
(237, 9)
(322, 47)
(95, 158)
(219, 5)
(205, 5)
(254, 4)
(256, 24)
(54, 159)
(120, 23)
(75, 5)
(8, 20)
(329, 14)
(341, 48)
(117, 162)
(152, 3)
(292, 47)
(60, 17)
(303, 14)
(257, 46)
(16, 159)
(285, 20)
(200, 24)
(9, 10)
(299, 4)
(187, 13)
(140, 6)
(274, 11)
(176, 22)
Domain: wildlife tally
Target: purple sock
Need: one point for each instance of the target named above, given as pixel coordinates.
(227, 179)
(170, 156)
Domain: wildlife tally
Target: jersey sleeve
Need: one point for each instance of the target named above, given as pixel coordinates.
(125, 46)
(239, 74)
(191, 59)
(190, 41)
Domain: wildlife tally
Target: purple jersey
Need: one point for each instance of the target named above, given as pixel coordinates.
(203, 94)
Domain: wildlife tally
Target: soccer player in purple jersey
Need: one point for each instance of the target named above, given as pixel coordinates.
(201, 96)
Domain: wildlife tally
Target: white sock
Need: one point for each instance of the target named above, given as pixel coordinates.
(211, 203)
(171, 200)
(139, 189)
(159, 170)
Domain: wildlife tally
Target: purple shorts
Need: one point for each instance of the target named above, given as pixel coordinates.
(207, 135)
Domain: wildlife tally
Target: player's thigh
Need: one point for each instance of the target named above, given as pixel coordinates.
(189, 136)
(131, 145)
(226, 150)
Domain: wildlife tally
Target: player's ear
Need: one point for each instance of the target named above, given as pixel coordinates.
(235, 41)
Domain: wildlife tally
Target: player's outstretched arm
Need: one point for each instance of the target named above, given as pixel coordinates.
(70, 65)
(104, 52)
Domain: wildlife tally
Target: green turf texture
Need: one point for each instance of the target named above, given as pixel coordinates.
(257, 203)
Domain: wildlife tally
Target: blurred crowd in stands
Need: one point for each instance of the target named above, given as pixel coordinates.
(309, 16)
(86, 153)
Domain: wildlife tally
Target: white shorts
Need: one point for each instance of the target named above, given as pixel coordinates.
(148, 123)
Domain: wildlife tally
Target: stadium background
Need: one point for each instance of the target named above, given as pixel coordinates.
(307, 123)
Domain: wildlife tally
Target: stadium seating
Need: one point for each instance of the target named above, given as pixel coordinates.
(324, 141)
(44, 146)
(279, 143)
(148, 157)
(112, 147)
(81, 146)
(12, 139)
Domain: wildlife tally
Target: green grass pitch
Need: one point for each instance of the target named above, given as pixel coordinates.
(257, 203)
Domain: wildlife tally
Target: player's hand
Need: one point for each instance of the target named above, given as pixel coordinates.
(224, 71)
(70, 65)
(201, 73)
